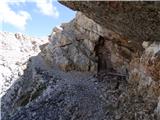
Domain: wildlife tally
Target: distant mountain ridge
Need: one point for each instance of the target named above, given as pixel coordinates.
(15, 50)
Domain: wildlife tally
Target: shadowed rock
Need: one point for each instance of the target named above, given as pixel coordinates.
(139, 21)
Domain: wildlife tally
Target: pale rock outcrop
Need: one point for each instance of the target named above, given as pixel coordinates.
(15, 50)
(73, 47)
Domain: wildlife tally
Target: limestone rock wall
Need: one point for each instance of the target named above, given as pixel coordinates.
(73, 47)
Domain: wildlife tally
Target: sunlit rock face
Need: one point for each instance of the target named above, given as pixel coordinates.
(15, 50)
(72, 46)
(76, 47)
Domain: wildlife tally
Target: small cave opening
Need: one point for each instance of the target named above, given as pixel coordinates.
(104, 56)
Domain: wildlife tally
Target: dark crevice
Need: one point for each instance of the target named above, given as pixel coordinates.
(104, 56)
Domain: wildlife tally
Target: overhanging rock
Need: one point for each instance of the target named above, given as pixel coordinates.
(138, 21)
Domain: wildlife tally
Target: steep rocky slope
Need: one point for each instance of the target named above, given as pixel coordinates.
(15, 50)
(118, 76)
(123, 89)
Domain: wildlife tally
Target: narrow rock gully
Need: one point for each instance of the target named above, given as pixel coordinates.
(43, 93)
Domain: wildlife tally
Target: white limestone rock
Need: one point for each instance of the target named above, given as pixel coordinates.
(15, 50)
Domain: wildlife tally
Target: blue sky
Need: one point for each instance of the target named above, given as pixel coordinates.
(33, 17)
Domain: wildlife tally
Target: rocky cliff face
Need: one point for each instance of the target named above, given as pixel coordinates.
(15, 50)
(77, 46)
(120, 45)
(72, 46)
(136, 23)
(121, 49)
